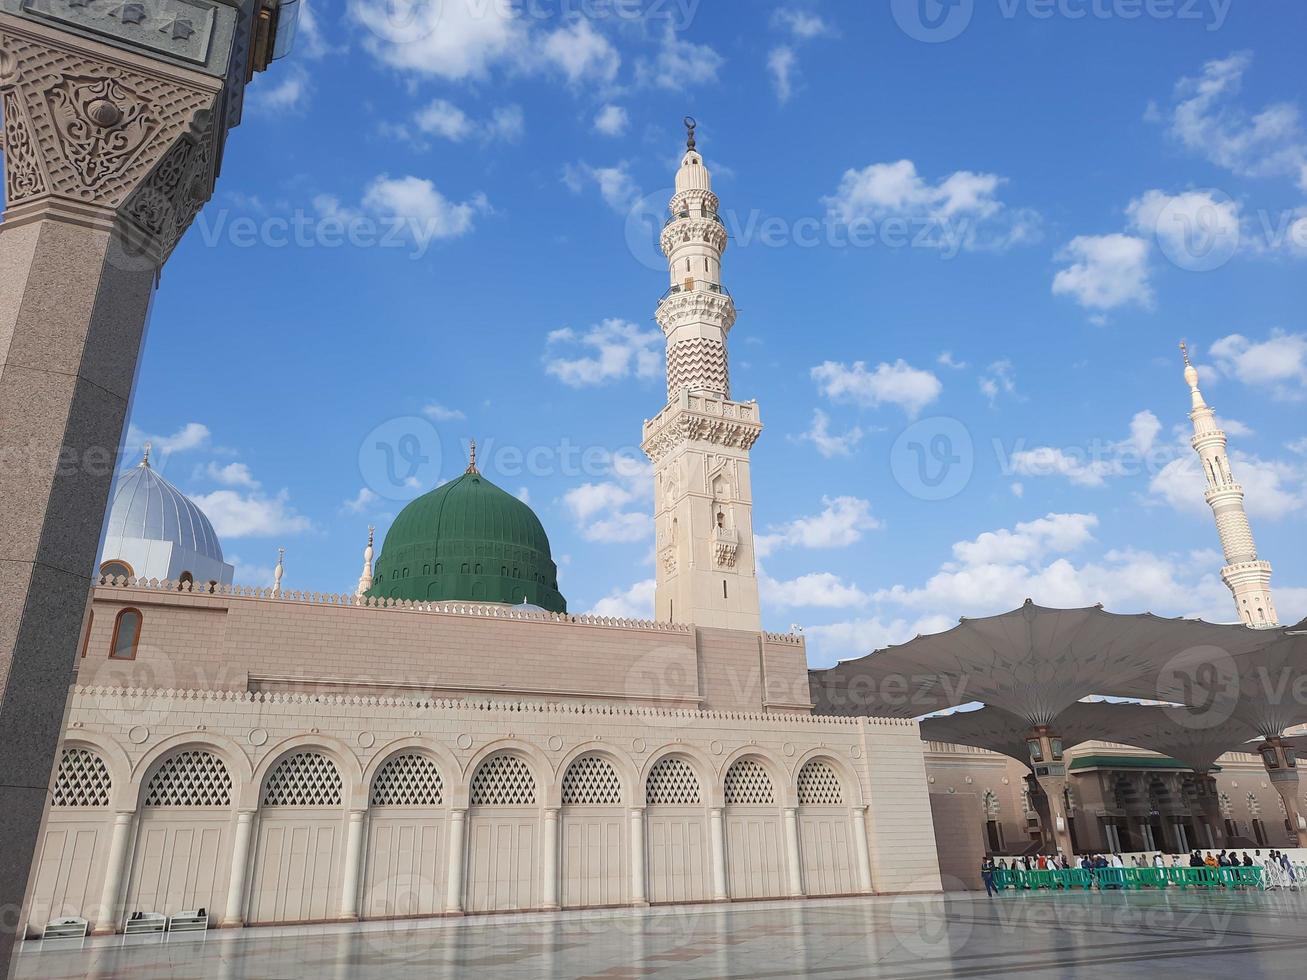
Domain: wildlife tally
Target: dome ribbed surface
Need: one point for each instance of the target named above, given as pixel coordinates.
(147, 506)
(468, 540)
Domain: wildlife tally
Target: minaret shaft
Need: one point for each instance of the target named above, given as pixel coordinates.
(1248, 578)
(699, 443)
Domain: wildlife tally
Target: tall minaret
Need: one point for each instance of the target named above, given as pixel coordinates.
(699, 443)
(365, 579)
(1248, 577)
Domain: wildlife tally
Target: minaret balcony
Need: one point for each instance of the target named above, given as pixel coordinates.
(710, 215)
(694, 286)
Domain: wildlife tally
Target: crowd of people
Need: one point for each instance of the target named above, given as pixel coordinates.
(1278, 870)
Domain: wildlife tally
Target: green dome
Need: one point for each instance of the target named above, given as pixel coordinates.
(468, 540)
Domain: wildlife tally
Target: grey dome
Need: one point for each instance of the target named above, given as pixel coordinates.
(160, 532)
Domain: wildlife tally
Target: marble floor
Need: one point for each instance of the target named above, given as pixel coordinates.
(1136, 934)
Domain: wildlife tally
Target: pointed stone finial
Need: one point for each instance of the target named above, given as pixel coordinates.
(145, 455)
(472, 457)
(1191, 377)
(1184, 352)
(276, 575)
(365, 579)
(690, 125)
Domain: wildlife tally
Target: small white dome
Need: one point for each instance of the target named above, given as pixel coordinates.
(159, 532)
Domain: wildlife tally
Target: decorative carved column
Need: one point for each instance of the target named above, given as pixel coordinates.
(349, 886)
(234, 914)
(1208, 799)
(792, 851)
(115, 872)
(114, 120)
(1282, 768)
(862, 848)
(717, 841)
(1049, 773)
(454, 865)
(639, 894)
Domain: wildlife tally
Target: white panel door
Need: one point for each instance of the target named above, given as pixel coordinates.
(677, 845)
(825, 842)
(181, 862)
(69, 874)
(296, 871)
(596, 865)
(405, 865)
(503, 859)
(755, 853)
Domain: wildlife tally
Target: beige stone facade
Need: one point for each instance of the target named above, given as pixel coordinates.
(307, 758)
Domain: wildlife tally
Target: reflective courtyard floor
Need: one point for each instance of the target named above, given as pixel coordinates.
(1134, 934)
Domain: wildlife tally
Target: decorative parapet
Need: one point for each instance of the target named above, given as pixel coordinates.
(794, 639)
(695, 306)
(481, 610)
(698, 416)
(472, 704)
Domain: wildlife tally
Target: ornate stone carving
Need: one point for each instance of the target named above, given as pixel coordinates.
(23, 169)
(167, 202)
(668, 558)
(695, 306)
(102, 125)
(698, 363)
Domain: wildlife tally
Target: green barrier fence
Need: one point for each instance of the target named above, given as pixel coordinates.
(1131, 879)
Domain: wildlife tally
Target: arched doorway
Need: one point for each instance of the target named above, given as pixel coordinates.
(677, 833)
(824, 834)
(296, 869)
(596, 860)
(503, 851)
(407, 839)
(755, 842)
(181, 861)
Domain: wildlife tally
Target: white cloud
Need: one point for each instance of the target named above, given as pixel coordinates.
(1193, 228)
(1206, 118)
(962, 209)
(440, 413)
(998, 381)
(231, 475)
(247, 573)
(615, 349)
(1106, 272)
(637, 602)
(895, 384)
(416, 201)
(363, 501)
(286, 90)
(192, 435)
(251, 515)
(1279, 362)
(816, 589)
(828, 443)
(946, 360)
(782, 64)
(831, 642)
(581, 53)
(679, 64)
(442, 118)
(842, 523)
(1075, 467)
(453, 39)
(611, 120)
(616, 186)
(1144, 428)
(1030, 540)
(1273, 489)
(1018, 489)
(614, 511)
(803, 24)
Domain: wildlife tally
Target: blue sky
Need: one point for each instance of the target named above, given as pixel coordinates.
(977, 243)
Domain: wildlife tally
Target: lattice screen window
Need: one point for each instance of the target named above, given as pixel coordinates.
(1227, 808)
(192, 778)
(590, 779)
(1254, 807)
(990, 801)
(304, 779)
(408, 780)
(818, 785)
(747, 782)
(82, 781)
(671, 783)
(503, 780)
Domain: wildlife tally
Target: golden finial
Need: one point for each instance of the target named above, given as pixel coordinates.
(145, 455)
(472, 457)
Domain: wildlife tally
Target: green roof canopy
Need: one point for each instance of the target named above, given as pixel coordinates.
(468, 540)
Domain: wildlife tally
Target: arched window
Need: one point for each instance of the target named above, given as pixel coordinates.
(747, 783)
(116, 569)
(126, 635)
(191, 778)
(671, 782)
(503, 780)
(408, 780)
(82, 780)
(304, 779)
(591, 780)
(819, 785)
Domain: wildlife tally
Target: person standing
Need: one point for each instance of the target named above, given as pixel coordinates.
(987, 876)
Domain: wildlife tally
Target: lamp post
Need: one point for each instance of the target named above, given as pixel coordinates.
(115, 117)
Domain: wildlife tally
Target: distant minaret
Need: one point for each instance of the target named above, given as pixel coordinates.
(365, 580)
(699, 443)
(277, 572)
(1248, 577)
